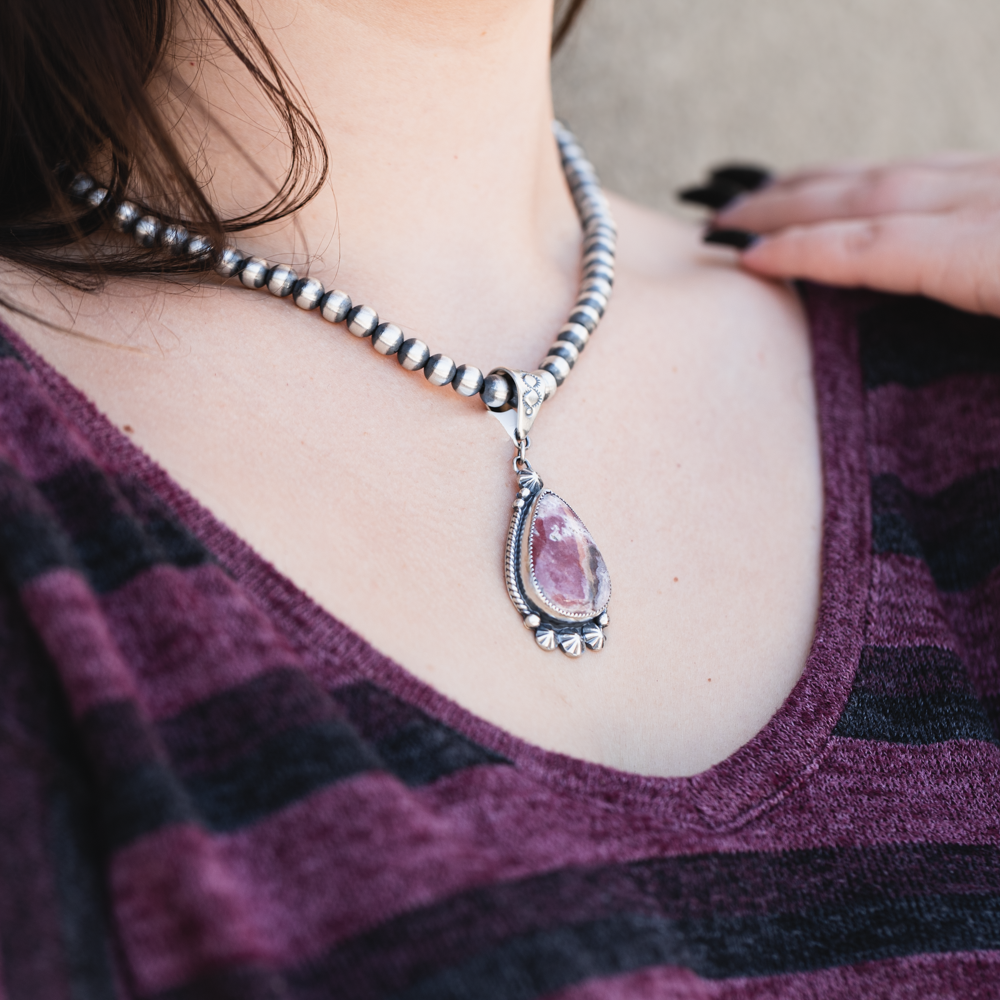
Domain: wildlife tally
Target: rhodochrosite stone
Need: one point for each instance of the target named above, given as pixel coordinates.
(568, 567)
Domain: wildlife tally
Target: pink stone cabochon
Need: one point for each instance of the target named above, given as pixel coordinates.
(568, 567)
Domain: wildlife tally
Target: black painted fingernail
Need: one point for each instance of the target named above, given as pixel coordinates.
(742, 176)
(713, 195)
(741, 239)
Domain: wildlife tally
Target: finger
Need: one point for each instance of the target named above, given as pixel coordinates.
(953, 257)
(874, 192)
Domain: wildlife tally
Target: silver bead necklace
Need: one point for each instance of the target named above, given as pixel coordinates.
(555, 575)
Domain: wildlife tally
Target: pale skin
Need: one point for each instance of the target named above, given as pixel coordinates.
(686, 437)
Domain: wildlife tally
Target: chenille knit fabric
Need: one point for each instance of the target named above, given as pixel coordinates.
(210, 789)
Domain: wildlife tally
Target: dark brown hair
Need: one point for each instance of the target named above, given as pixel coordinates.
(73, 86)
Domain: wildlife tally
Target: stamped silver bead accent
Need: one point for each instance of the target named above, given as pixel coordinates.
(548, 382)
(387, 338)
(362, 321)
(175, 238)
(125, 217)
(307, 293)
(413, 354)
(495, 391)
(80, 186)
(559, 367)
(230, 262)
(96, 197)
(603, 619)
(198, 246)
(334, 306)
(281, 281)
(439, 370)
(468, 380)
(565, 350)
(147, 231)
(574, 334)
(254, 273)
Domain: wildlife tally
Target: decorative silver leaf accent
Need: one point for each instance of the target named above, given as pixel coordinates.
(571, 643)
(545, 636)
(593, 636)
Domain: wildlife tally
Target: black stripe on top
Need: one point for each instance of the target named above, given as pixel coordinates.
(915, 341)
(915, 695)
(955, 531)
(256, 748)
(719, 915)
(415, 747)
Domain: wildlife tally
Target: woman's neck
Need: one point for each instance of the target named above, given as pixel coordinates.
(446, 207)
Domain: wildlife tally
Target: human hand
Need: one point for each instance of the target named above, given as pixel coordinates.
(930, 227)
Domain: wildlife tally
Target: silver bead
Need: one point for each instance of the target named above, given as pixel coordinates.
(387, 338)
(125, 217)
(80, 186)
(468, 380)
(413, 354)
(593, 299)
(586, 316)
(198, 246)
(307, 293)
(576, 335)
(281, 281)
(548, 382)
(596, 286)
(599, 255)
(230, 262)
(495, 391)
(532, 621)
(254, 272)
(439, 370)
(334, 306)
(564, 349)
(175, 239)
(96, 197)
(559, 367)
(147, 231)
(362, 321)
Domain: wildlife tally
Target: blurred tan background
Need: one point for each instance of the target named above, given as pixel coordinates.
(659, 89)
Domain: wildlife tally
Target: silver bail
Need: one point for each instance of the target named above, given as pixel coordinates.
(529, 394)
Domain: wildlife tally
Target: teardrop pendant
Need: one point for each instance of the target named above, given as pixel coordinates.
(556, 576)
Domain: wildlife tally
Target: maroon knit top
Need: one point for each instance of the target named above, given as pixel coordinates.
(210, 788)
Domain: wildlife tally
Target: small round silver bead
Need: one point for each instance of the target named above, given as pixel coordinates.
(468, 380)
(564, 349)
(362, 321)
(125, 217)
(413, 354)
(230, 262)
(495, 391)
(281, 280)
(576, 335)
(559, 367)
(198, 246)
(307, 293)
(586, 316)
(80, 186)
(254, 273)
(548, 381)
(175, 238)
(439, 370)
(96, 197)
(387, 338)
(532, 621)
(334, 306)
(147, 231)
